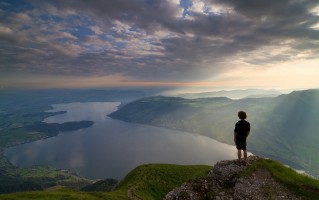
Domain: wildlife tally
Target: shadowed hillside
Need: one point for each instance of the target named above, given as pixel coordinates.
(152, 181)
(284, 128)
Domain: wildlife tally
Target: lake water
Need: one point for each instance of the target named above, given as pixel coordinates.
(111, 148)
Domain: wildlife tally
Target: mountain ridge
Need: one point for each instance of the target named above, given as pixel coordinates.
(283, 127)
(232, 94)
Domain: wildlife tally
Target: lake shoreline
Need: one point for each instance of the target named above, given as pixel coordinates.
(140, 143)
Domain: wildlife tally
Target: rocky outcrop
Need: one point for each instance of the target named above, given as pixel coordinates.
(224, 182)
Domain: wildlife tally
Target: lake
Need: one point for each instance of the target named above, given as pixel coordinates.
(111, 148)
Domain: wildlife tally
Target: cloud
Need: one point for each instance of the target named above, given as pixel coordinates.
(5, 33)
(198, 6)
(96, 30)
(157, 40)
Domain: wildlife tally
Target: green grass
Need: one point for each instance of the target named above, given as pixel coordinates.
(34, 178)
(302, 185)
(154, 181)
(151, 181)
(66, 194)
(16, 136)
(47, 176)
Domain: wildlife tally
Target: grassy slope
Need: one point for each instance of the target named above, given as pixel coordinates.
(64, 193)
(152, 181)
(48, 176)
(302, 185)
(25, 179)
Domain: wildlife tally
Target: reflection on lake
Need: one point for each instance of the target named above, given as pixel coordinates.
(111, 148)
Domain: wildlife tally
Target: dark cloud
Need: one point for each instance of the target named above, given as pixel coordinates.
(273, 9)
(144, 14)
(153, 40)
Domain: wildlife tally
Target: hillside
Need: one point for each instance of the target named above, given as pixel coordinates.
(18, 179)
(259, 179)
(284, 128)
(152, 181)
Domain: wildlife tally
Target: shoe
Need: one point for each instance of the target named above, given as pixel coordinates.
(244, 163)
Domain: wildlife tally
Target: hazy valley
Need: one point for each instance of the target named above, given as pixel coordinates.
(283, 128)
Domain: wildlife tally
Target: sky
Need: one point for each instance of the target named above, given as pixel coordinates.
(212, 44)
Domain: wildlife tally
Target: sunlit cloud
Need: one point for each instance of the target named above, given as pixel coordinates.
(315, 26)
(314, 10)
(302, 73)
(160, 43)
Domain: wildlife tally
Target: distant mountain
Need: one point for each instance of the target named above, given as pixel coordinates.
(284, 128)
(232, 94)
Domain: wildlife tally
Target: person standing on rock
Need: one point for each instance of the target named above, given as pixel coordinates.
(241, 132)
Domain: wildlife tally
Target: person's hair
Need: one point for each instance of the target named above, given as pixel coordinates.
(242, 115)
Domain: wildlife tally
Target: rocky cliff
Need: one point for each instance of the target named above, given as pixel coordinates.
(232, 180)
